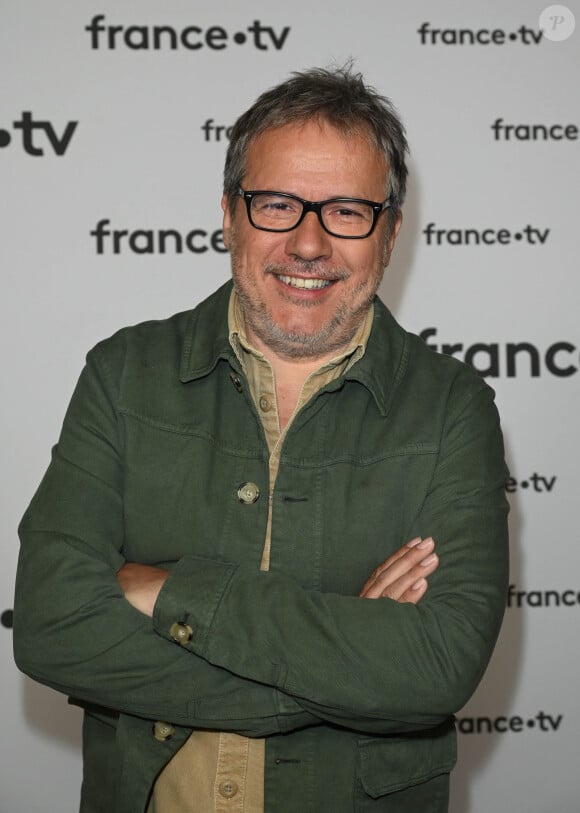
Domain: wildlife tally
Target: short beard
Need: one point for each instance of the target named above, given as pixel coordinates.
(335, 335)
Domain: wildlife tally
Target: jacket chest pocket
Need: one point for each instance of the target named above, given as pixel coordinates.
(188, 493)
(369, 508)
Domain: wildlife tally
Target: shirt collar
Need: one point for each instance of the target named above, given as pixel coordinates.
(381, 369)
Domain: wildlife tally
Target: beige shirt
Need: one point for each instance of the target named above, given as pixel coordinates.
(220, 772)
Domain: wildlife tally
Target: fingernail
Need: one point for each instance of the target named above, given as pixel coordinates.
(414, 542)
(426, 543)
(429, 560)
(418, 584)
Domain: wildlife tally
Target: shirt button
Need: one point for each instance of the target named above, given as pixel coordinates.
(181, 633)
(163, 731)
(228, 788)
(248, 493)
(265, 403)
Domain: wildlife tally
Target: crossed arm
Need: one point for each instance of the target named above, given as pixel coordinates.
(401, 577)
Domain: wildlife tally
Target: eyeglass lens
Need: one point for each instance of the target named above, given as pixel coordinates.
(278, 212)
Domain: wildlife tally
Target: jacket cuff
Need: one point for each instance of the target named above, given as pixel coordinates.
(188, 601)
(185, 611)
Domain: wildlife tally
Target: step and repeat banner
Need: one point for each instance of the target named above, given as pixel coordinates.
(114, 121)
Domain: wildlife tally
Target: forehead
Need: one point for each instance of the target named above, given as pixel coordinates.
(314, 155)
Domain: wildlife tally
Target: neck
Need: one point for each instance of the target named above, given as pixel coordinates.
(288, 368)
(290, 375)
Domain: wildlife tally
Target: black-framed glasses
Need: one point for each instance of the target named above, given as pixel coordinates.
(351, 218)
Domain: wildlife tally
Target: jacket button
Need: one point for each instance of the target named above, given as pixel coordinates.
(163, 731)
(181, 633)
(248, 493)
(236, 381)
(228, 788)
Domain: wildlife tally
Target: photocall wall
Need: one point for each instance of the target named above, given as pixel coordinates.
(114, 121)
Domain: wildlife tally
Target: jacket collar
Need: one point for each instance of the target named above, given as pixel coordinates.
(384, 364)
(206, 337)
(381, 369)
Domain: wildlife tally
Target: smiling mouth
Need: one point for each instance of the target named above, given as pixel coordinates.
(309, 283)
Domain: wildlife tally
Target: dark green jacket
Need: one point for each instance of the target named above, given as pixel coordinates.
(355, 697)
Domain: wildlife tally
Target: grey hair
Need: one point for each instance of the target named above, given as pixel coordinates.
(337, 96)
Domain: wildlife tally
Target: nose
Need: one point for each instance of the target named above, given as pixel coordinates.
(309, 241)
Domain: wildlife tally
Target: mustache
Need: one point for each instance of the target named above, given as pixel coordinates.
(309, 268)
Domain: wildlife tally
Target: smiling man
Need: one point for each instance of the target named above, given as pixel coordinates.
(231, 487)
(304, 293)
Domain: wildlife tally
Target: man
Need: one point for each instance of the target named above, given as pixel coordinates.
(233, 484)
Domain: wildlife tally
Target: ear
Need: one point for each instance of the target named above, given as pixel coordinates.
(389, 245)
(227, 222)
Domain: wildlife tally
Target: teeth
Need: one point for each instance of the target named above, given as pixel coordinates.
(301, 282)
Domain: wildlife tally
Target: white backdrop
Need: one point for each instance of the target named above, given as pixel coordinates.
(98, 124)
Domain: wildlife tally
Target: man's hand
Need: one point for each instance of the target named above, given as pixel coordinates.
(403, 576)
(141, 585)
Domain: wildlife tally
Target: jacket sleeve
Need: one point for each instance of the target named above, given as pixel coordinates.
(372, 665)
(73, 629)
